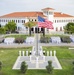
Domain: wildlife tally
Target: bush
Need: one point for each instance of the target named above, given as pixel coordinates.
(73, 62)
(2, 30)
(19, 40)
(44, 40)
(65, 39)
(49, 67)
(73, 67)
(0, 65)
(23, 67)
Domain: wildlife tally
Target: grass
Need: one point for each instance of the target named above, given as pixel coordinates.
(8, 57)
(18, 36)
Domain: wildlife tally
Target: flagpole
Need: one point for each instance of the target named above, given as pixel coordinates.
(36, 38)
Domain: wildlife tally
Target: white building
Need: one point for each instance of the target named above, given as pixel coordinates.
(59, 19)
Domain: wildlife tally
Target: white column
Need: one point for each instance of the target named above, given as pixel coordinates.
(23, 53)
(19, 53)
(26, 53)
(34, 29)
(54, 53)
(47, 53)
(50, 53)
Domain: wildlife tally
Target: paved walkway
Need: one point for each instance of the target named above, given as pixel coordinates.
(2, 45)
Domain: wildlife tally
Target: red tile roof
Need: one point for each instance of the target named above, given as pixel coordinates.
(59, 14)
(23, 14)
(32, 14)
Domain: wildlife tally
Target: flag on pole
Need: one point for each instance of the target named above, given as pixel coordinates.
(44, 23)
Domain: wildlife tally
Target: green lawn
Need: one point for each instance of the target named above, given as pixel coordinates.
(18, 36)
(9, 56)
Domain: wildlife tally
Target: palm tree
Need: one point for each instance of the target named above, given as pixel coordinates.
(30, 24)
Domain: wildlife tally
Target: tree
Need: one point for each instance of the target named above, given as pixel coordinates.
(69, 28)
(30, 24)
(11, 26)
(73, 67)
(0, 25)
(49, 67)
(2, 30)
(0, 65)
(24, 67)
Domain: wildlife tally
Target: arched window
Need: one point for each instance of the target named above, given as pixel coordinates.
(16, 21)
(32, 19)
(24, 21)
(35, 19)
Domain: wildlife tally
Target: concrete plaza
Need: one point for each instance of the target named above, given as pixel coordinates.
(41, 64)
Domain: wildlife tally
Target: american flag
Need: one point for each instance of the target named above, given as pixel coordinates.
(44, 23)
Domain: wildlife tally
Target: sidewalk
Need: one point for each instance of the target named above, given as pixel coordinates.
(14, 45)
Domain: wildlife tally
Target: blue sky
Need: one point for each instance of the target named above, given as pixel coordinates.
(9, 6)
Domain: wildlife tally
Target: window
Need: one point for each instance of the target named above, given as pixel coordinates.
(29, 19)
(32, 19)
(50, 13)
(60, 28)
(35, 19)
(56, 28)
(16, 21)
(62, 20)
(24, 21)
(55, 21)
(47, 13)
(2, 20)
(6, 20)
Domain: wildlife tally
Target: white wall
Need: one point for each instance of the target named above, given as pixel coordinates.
(20, 24)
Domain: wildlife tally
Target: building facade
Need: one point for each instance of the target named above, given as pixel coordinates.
(59, 20)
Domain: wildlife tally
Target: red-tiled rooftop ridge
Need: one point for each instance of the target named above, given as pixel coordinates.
(23, 14)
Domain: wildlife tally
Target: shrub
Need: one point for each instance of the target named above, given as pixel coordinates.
(73, 62)
(65, 39)
(0, 65)
(49, 67)
(23, 67)
(19, 40)
(2, 30)
(44, 40)
(73, 67)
